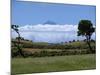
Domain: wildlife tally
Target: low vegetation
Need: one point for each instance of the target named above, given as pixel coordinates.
(41, 49)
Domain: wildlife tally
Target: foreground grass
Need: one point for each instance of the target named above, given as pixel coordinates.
(51, 64)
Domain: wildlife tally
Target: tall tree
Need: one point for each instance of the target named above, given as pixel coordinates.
(85, 28)
(15, 28)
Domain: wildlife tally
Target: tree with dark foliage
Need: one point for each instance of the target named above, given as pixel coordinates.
(15, 28)
(85, 28)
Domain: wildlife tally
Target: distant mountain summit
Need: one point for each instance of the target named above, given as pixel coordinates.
(50, 22)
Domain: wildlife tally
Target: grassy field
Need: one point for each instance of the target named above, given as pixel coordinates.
(52, 64)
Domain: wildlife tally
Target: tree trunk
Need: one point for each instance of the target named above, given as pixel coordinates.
(88, 42)
(89, 46)
(19, 49)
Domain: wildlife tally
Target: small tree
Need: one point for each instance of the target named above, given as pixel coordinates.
(73, 40)
(15, 28)
(85, 28)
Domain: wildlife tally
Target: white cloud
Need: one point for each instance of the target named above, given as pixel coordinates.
(49, 33)
(48, 27)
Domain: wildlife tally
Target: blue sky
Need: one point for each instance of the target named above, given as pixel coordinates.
(37, 13)
(31, 16)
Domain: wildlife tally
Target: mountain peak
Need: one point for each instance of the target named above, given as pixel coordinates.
(50, 22)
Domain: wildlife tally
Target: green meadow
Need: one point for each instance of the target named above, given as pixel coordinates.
(53, 64)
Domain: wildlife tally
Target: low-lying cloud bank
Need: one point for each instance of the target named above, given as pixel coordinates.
(49, 33)
(48, 27)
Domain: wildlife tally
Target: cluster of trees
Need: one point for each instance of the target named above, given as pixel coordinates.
(22, 39)
(92, 40)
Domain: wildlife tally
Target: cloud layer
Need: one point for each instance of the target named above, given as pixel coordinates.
(48, 27)
(49, 33)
